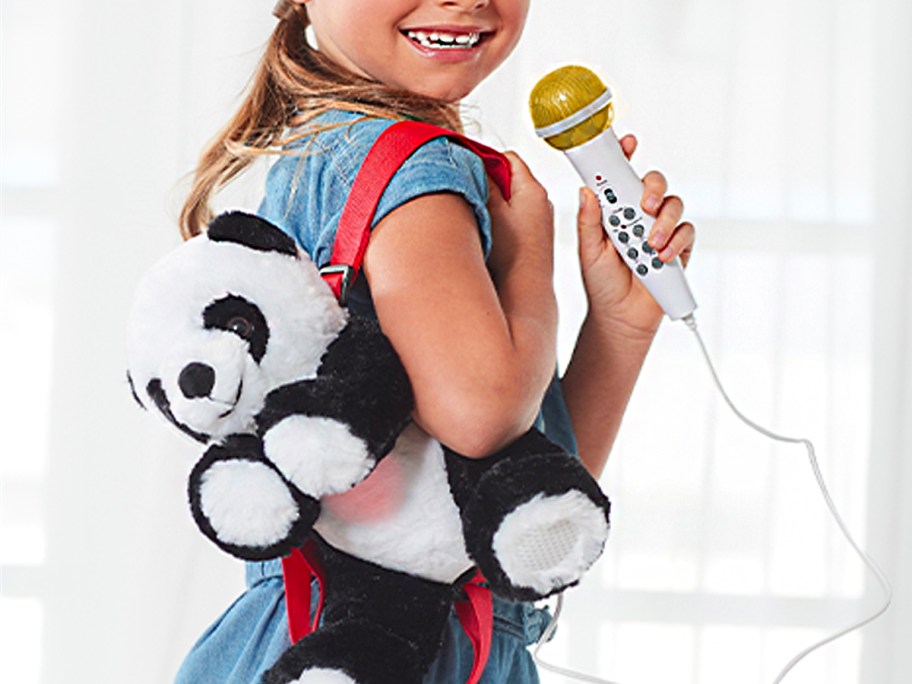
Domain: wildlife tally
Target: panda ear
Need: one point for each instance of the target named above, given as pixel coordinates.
(251, 231)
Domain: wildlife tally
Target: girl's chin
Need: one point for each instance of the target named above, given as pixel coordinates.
(450, 95)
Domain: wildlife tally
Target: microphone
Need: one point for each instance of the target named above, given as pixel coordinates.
(572, 110)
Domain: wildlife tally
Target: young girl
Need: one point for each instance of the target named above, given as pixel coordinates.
(459, 278)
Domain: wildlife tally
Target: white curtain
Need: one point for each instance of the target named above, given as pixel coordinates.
(784, 125)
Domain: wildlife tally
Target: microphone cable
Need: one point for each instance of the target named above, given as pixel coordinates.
(821, 484)
(869, 562)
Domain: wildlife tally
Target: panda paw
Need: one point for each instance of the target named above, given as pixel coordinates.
(319, 455)
(535, 524)
(548, 542)
(241, 502)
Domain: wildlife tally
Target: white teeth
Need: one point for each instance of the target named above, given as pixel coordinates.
(444, 41)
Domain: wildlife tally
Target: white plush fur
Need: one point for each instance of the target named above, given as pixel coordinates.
(324, 676)
(247, 503)
(550, 541)
(318, 455)
(167, 314)
(413, 524)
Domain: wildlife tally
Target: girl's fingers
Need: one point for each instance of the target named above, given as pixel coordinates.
(670, 213)
(521, 175)
(680, 244)
(628, 145)
(589, 224)
(655, 186)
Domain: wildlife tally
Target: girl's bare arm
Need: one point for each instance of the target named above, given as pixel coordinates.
(477, 339)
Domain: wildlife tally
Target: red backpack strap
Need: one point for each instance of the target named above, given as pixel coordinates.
(302, 566)
(299, 569)
(396, 144)
(476, 615)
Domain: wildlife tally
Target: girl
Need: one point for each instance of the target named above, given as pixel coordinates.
(459, 278)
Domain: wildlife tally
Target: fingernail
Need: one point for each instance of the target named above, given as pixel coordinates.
(651, 204)
(582, 197)
(666, 254)
(657, 240)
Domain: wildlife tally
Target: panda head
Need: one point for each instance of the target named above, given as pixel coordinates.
(222, 320)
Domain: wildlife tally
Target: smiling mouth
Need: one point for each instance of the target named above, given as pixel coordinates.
(445, 40)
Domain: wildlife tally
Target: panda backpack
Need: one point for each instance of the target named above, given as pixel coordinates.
(238, 340)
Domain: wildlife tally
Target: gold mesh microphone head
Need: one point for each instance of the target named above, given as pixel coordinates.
(570, 106)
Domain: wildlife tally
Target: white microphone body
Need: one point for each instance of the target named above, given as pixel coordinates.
(605, 170)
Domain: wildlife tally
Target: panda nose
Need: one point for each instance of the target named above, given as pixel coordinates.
(196, 380)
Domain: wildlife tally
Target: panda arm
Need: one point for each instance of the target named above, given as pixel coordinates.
(326, 434)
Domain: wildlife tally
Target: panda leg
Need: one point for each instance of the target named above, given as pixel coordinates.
(379, 626)
(353, 653)
(242, 503)
(534, 519)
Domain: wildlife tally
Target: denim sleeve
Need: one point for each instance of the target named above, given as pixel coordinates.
(306, 192)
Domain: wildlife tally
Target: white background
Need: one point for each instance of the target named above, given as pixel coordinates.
(783, 125)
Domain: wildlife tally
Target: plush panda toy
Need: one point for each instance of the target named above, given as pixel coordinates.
(304, 412)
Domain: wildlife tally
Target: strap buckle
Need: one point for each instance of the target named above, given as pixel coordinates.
(348, 274)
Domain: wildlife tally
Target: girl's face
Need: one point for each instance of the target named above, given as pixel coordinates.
(437, 48)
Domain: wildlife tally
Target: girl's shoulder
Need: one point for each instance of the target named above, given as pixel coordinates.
(308, 185)
(345, 138)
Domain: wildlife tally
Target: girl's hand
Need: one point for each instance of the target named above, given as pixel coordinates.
(616, 296)
(523, 228)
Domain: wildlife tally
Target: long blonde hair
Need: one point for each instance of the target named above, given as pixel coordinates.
(292, 85)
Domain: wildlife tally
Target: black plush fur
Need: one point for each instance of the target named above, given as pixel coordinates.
(379, 626)
(250, 231)
(360, 382)
(225, 313)
(486, 490)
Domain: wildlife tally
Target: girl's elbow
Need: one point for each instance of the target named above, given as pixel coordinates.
(480, 433)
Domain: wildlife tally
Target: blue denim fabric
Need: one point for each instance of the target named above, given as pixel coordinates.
(305, 194)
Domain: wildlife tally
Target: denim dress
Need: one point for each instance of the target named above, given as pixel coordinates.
(305, 194)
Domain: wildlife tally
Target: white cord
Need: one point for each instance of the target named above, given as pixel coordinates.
(812, 457)
(865, 558)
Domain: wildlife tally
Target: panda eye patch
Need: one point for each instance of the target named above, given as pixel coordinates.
(240, 317)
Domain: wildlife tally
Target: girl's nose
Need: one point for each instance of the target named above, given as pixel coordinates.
(468, 5)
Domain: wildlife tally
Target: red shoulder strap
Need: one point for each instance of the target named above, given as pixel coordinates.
(476, 615)
(396, 144)
(299, 569)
